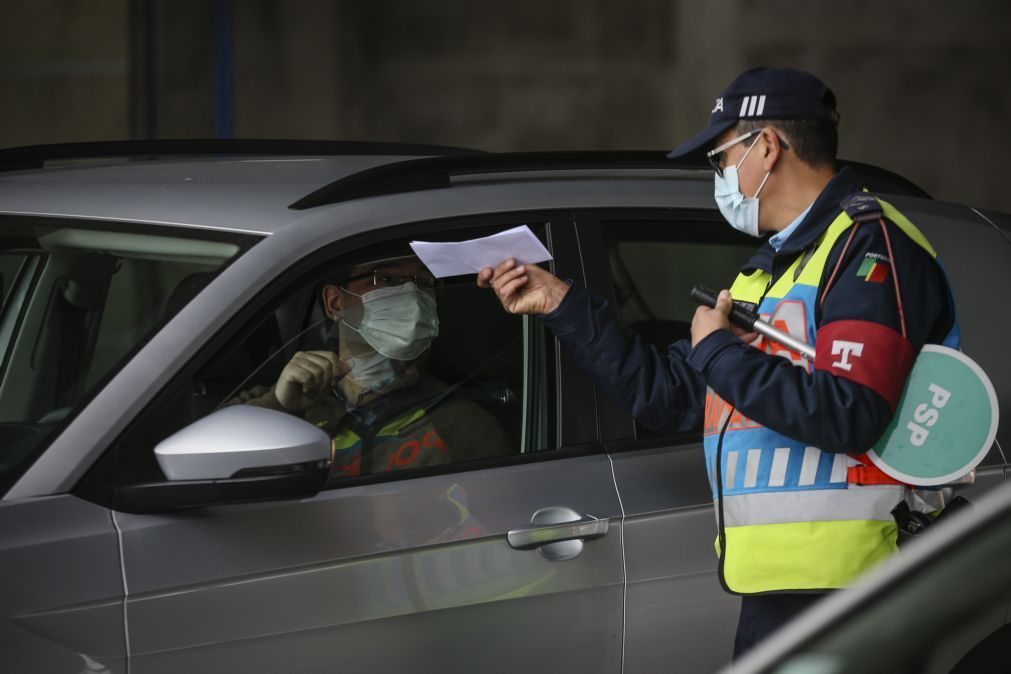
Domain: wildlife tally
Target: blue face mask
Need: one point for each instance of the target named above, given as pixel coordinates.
(740, 211)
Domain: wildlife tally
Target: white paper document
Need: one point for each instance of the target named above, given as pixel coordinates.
(470, 257)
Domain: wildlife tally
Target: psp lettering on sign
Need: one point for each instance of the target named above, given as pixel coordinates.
(845, 349)
(927, 415)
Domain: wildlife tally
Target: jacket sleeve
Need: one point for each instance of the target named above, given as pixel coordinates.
(660, 391)
(862, 359)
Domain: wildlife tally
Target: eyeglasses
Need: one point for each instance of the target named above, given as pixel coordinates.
(715, 156)
(381, 279)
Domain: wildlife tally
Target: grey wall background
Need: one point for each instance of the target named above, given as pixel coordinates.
(923, 85)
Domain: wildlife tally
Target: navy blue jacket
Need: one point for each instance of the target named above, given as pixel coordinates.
(666, 392)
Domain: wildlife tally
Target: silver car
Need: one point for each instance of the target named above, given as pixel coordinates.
(151, 522)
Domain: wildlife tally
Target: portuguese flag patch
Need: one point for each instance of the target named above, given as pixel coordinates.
(874, 268)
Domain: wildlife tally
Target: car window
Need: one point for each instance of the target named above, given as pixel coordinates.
(79, 298)
(438, 373)
(654, 264)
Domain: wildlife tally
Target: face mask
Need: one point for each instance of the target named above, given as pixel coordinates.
(740, 211)
(398, 322)
(373, 372)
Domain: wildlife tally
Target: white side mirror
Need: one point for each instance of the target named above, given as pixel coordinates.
(241, 438)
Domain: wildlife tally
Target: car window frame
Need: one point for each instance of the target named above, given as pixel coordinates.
(93, 487)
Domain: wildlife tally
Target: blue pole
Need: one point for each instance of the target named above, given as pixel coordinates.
(224, 70)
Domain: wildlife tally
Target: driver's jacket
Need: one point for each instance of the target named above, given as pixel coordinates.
(425, 424)
(408, 441)
(797, 508)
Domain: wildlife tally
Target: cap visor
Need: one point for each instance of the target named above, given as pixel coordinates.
(695, 146)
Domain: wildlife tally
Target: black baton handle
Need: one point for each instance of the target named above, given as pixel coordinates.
(739, 315)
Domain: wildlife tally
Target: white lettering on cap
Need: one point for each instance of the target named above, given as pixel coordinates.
(719, 105)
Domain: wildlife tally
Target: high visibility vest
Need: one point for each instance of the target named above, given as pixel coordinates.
(408, 441)
(793, 517)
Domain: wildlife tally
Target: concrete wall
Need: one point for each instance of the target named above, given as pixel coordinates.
(63, 70)
(923, 85)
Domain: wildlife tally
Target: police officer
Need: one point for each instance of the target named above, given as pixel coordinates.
(799, 510)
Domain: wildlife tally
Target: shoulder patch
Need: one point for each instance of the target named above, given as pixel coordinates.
(862, 207)
(874, 268)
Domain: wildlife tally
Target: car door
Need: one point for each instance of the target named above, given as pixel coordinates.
(63, 591)
(646, 262)
(448, 568)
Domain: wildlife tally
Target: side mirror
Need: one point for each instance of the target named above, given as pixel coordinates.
(237, 454)
(238, 440)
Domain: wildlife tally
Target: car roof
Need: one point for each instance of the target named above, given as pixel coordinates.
(264, 186)
(245, 193)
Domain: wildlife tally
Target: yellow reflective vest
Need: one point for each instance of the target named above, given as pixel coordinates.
(793, 517)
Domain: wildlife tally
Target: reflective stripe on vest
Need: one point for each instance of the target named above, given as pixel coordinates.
(795, 517)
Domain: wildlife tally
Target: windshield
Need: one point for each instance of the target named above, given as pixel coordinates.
(78, 299)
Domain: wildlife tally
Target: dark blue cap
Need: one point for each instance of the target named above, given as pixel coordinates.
(763, 93)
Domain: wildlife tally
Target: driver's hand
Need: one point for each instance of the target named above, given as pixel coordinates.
(307, 377)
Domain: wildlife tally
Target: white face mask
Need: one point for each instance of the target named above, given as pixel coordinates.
(740, 211)
(373, 372)
(398, 322)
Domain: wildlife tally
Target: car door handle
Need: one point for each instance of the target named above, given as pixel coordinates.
(554, 525)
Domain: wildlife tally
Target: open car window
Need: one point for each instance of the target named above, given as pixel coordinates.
(476, 391)
(79, 299)
(481, 386)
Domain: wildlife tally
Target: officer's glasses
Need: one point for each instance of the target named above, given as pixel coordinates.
(382, 279)
(715, 156)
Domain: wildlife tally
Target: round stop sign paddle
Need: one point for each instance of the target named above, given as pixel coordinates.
(944, 424)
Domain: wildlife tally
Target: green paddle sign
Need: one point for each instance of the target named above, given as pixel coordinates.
(945, 422)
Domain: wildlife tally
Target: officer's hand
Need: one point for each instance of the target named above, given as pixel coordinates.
(307, 377)
(707, 321)
(744, 335)
(524, 289)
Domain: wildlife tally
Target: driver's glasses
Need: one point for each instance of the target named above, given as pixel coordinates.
(383, 279)
(715, 156)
